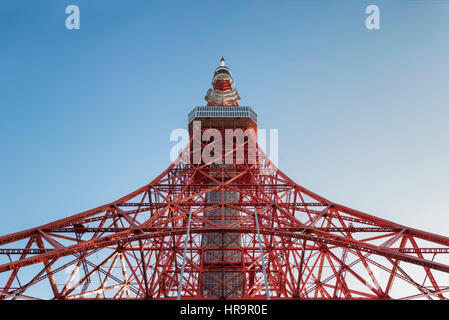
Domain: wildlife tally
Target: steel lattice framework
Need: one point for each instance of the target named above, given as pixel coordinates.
(312, 247)
(199, 223)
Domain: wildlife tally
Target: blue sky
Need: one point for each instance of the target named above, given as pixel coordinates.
(86, 115)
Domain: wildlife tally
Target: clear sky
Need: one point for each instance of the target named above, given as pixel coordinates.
(86, 114)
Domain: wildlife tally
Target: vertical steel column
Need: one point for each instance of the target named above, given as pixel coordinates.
(261, 255)
(184, 256)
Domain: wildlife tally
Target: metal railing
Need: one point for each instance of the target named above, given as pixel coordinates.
(222, 112)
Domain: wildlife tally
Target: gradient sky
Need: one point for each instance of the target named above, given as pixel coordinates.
(86, 115)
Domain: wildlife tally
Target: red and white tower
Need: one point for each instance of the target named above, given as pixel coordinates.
(223, 222)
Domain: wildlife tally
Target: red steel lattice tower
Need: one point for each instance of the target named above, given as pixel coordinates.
(216, 228)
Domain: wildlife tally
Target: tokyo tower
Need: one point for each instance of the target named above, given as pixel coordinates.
(223, 222)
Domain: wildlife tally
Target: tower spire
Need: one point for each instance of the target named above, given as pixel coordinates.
(222, 92)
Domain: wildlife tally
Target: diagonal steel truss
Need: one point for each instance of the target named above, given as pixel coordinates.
(312, 248)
